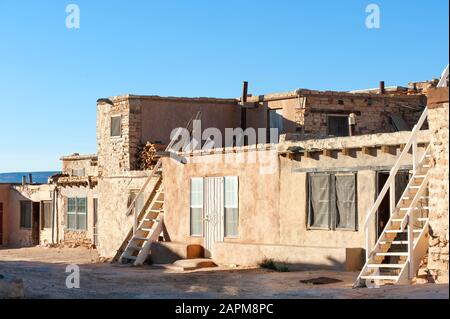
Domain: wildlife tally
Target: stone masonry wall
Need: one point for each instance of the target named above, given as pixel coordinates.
(113, 152)
(439, 187)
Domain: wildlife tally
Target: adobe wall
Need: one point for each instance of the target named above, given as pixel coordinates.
(79, 237)
(17, 236)
(439, 185)
(273, 206)
(113, 195)
(4, 198)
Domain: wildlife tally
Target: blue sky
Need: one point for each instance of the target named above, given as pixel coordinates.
(51, 76)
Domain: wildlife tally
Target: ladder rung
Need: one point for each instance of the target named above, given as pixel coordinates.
(130, 257)
(390, 231)
(392, 254)
(385, 265)
(139, 238)
(156, 210)
(146, 229)
(134, 247)
(152, 220)
(416, 208)
(380, 277)
(395, 242)
(159, 201)
(421, 197)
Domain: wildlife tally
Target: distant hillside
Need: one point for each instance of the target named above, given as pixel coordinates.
(16, 178)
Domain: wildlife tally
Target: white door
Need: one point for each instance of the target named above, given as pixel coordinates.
(213, 206)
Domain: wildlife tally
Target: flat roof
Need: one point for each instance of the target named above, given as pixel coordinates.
(78, 157)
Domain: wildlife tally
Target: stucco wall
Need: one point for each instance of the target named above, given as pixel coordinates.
(79, 237)
(273, 206)
(4, 198)
(17, 236)
(113, 195)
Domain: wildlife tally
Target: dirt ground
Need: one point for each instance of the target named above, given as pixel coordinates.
(44, 276)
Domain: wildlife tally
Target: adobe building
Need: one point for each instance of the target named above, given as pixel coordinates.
(63, 211)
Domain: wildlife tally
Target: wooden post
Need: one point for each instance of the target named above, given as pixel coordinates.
(414, 156)
(393, 204)
(411, 271)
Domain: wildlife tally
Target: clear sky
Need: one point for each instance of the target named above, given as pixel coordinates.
(51, 76)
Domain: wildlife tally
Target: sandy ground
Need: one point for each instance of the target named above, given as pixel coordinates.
(44, 276)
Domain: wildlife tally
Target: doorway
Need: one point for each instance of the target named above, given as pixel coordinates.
(214, 213)
(383, 213)
(36, 223)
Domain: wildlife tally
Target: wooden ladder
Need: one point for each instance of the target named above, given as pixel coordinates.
(149, 221)
(396, 256)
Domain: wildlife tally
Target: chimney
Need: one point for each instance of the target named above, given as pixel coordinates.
(30, 178)
(244, 92)
(382, 89)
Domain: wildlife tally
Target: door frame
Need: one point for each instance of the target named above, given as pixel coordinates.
(35, 222)
(213, 203)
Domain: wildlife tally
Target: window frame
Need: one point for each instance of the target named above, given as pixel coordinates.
(43, 217)
(77, 213)
(346, 116)
(111, 126)
(333, 209)
(197, 206)
(30, 203)
(225, 206)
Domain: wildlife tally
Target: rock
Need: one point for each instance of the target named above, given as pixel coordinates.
(11, 288)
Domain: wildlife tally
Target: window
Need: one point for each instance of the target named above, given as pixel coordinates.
(76, 213)
(332, 201)
(25, 214)
(231, 206)
(78, 172)
(116, 126)
(46, 214)
(276, 120)
(338, 125)
(196, 206)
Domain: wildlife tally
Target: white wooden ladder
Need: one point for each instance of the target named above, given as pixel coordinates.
(396, 256)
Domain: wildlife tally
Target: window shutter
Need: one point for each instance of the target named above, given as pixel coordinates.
(320, 196)
(346, 201)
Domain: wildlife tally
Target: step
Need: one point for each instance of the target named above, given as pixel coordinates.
(130, 257)
(140, 238)
(398, 220)
(134, 247)
(421, 197)
(380, 277)
(385, 265)
(395, 242)
(161, 211)
(392, 231)
(392, 254)
(415, 208)
(152, 220)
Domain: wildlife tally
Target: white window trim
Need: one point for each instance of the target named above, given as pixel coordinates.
(231, 206)
(196, 207)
